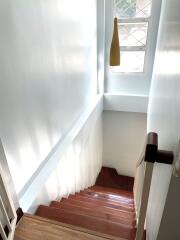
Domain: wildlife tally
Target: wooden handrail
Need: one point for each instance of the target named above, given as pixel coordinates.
(165, 157)
(151, 147)
(152, 154)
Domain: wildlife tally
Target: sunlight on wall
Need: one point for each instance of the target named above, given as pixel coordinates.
(164, 118)
(48, 77)
(79, 166)
(168, 63)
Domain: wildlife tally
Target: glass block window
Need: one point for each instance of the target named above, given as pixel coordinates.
(132, 61)
(132, 8)
(133, 18)
(133, 34)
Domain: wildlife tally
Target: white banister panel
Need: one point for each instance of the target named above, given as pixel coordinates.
(8, 214)
(138, 186)
(143, 199)
(2, 232)
(150, 155)
(5, 215)
(143, 181)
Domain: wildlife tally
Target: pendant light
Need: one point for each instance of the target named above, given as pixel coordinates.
(115, 48)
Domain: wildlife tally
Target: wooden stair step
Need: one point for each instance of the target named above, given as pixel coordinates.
(110, 196)
(104, 209)
(92, 212)
(118, 192)
(121, 202)
(126, 215)
(112, 191)
(98, 202)
(88, 222)
(33, 227)
(119, 205)
(109, 177)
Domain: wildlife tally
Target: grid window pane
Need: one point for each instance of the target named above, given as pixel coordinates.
(130, 62)
(132, 8)
(134, 34)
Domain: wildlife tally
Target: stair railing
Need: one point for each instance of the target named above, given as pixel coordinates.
(143, 178)
(8, 216)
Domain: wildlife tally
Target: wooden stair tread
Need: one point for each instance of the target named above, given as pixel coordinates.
(118, 192)
(113, 191)
(97, 197)
(33, 227)
(98, 202)
(91, 212)
(88, 222)
(101, 209)
(97, 207)
(110, 196)
(113, 198)
(109, 177)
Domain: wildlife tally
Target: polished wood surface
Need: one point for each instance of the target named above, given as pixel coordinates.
(124, 198)
(117, 193)
(35, 228)
(109, 177)
(120, 202)
(99, 209)
(120, 213)
(108, 203)
(89, 222)
(99, 212)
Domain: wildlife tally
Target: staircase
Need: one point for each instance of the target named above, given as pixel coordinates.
(104, 211)
(109, 177)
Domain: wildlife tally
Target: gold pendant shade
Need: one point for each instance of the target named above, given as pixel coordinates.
(115, 48)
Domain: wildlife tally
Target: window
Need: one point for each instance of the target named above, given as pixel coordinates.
(133, 20)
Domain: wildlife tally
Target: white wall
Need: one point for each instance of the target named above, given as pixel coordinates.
(6, 176)
(164, 118)
(48, 76)
(123, 138)
(101, 43)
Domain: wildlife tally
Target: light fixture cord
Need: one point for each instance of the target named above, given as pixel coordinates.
(114, 8)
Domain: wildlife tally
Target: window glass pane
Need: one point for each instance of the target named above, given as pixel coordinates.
(134, 34)
(130, 62)
(132, 8)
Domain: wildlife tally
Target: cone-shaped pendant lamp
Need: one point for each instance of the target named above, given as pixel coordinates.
(115, 48)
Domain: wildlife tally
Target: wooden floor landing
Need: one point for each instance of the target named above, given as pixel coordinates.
(36, 228)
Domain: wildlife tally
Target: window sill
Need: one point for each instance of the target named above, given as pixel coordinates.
(125, 102)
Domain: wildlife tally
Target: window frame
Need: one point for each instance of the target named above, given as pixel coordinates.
(146, 48)
(130, 83)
